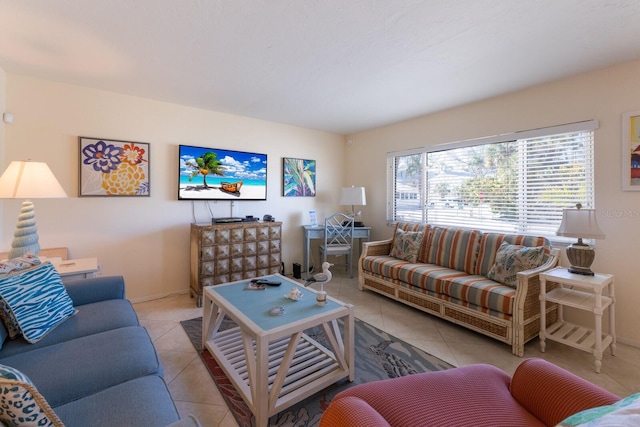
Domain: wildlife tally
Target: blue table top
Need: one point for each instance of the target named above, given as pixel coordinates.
(255, 304)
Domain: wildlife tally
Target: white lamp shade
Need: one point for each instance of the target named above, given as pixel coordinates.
(29, 180)
(580, 223)
(353, 196)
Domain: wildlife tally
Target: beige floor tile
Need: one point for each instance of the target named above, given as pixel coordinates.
(228, 421)
(157, 328)
(174, 362)
(176, 339)
(208, 415)
(194, 384)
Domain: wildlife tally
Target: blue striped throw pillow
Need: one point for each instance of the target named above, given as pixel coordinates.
(36, 300)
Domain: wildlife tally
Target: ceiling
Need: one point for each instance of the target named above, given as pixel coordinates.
(340, 66)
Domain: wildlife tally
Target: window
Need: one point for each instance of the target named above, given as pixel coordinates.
(517, 183)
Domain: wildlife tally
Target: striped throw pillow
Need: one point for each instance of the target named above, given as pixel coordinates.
(35, 300)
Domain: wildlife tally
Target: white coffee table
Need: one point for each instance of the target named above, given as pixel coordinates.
(270, 360)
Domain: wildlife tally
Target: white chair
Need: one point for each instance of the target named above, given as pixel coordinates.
(338, 239)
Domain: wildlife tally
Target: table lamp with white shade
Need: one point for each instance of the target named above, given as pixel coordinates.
(28, 180)
(580, 223)
(354, 196)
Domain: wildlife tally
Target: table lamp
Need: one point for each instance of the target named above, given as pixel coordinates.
(580, 223)
(28, 180)
(353, 196)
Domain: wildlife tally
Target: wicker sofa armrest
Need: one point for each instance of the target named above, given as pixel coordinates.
(552, 394)
(526, 310)
(551, 262)
(380, 247)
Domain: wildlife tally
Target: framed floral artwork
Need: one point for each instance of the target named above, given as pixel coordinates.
(113, 168)
(298, 177)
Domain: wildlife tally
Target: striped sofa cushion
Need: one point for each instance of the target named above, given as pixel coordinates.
(455, 248)
(36, 299)
(384, 266)
(473, 289)
(492, 313)
(490, 243)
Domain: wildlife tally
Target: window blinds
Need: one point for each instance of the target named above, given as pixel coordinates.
(517, 183)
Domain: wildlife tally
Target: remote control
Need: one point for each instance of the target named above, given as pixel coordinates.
(268, 282)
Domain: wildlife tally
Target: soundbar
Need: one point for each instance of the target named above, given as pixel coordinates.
(227, 220)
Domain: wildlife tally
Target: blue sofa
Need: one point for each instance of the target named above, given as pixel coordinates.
(98, 367)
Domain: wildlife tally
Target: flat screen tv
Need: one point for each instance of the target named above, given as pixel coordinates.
(218, 174)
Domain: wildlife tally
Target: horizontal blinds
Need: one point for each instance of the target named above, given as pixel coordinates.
(407, 198)
(518, 186)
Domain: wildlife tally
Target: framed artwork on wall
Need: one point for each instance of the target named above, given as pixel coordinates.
(113, 168)
(298, 177)
(631, 151)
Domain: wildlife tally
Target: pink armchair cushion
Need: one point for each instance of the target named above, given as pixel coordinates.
(353, 412)
(552, 394)
(474, 395)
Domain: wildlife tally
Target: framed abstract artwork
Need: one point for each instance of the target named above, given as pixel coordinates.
(298, 177)
(113, 168)
(631, 151)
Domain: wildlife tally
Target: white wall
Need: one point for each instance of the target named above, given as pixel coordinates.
(146, 239)
(603, 95)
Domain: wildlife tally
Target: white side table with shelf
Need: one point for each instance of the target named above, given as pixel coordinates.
(73, 269)
(590, 293)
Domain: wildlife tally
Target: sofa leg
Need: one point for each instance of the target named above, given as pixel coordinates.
(517, 349)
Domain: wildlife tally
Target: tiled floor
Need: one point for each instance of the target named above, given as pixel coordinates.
(195, 393)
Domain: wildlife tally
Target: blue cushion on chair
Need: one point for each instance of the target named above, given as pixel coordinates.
(35, 300)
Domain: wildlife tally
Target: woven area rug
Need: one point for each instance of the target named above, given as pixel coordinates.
(378, 355)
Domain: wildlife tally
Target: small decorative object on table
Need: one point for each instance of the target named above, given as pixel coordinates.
(322, 278)
(321, 298)
(276, 311)
(294, 294)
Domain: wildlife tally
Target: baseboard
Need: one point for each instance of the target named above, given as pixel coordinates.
(158, 296)
(630, 343)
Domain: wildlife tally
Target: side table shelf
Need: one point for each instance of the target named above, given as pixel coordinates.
(583, 293)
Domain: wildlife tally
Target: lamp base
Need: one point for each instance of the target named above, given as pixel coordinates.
(25, 238)
(581, 270)
(581, 257)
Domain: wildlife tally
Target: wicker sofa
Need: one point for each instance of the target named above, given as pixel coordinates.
(464, 276)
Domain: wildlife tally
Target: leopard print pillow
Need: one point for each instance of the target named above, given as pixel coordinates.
(21, 404)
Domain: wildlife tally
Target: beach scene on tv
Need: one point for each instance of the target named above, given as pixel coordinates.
(215, 174)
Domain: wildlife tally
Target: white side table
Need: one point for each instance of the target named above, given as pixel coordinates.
(591, 293)
(73, 269)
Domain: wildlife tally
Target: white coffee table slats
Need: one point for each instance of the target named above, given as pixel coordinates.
(270, 360)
